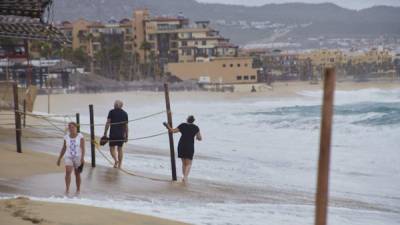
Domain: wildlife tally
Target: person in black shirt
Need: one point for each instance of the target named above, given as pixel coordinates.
(188, 131)
(117, 121)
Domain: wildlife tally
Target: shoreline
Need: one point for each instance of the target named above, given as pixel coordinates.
(60, 102)
(138, 191)
(278, 86)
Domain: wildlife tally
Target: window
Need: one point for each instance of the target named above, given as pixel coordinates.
(196, 43)
(184, 43)
(224, 65)
(238, 77)
(204, 42)
(238, 65)
(231, 65)
(245, 65)
(245, 77)
(252, 77)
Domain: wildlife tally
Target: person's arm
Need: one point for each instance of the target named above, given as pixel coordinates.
(170, 129)
(107, 127)
(198, 136)
(63, 149)
(126, 132)
(82, 150)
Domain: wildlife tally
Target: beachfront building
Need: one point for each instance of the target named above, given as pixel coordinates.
(155, 41)
(218, 70)
(325, 57)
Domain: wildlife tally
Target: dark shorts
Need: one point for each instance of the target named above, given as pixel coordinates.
(116, 142)
(185, 151)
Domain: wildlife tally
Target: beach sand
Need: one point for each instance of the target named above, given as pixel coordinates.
(25, 173)
(16, 165)
(23, 211)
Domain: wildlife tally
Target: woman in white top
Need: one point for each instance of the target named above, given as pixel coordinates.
(74, 150)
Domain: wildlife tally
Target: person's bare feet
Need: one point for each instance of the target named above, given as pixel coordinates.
(77, 193)
(66, 193)
(116, 164)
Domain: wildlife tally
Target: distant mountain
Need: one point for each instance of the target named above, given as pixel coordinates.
(244, 24)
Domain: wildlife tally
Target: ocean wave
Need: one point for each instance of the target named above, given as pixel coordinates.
(363, 113)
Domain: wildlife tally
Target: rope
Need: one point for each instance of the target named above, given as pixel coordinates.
(97, 145)
(41, 137)
(47, 116)
(128, 121)
(141, 138)
(7, 114)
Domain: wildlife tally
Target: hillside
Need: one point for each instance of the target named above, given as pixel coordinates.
(271, 22)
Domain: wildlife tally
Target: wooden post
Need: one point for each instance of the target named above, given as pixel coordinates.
(321, 209)
(78, 122)
(17, 118)
(170, 135)
(48, 100)
(92, 136)
(24, 118)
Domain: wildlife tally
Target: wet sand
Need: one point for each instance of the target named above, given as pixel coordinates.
(34, 173)
(22, 211)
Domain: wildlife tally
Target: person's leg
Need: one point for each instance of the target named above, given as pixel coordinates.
(113, 154)
(68, 171)
(188, 165)
(120, 156)
(78, 180)
(183, 169)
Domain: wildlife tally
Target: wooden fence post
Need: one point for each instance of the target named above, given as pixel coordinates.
(170, 135)
(321, 209)
(24, 117)
(78, 122)
(17, 118)
(92, 136)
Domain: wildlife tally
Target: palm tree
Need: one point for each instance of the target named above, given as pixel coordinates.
(146, 46)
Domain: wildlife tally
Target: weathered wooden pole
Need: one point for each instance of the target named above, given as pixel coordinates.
(170, 135)
(48, 100)
(17, 118)
(24, 117)
(78, 122)
(321, 210)
(92, 136)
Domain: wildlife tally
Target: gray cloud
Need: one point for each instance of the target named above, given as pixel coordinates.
(352, 4)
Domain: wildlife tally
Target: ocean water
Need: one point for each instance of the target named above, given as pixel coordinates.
(274, 143)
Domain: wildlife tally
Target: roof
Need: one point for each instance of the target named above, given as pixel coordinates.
(226, 45)
(28, 8)
(164, 18)
(28, 28)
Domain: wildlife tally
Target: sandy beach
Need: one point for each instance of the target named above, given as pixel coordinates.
(25, 174)
(23, 211)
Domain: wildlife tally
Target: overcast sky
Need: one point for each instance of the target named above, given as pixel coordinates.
(353, 4)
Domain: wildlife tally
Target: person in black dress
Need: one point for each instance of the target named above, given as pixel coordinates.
(189, 132)
(117, 121)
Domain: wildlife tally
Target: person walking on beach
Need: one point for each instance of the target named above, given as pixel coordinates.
(189, 132)
(117, 121)
(74, 151)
